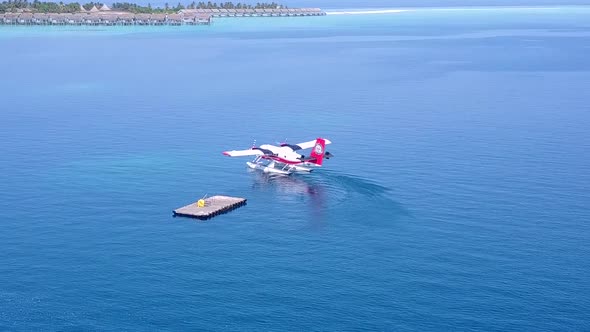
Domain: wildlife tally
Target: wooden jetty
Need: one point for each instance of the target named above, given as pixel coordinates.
(210, 207)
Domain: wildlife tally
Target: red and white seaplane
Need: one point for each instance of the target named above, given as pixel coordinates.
(283, 159)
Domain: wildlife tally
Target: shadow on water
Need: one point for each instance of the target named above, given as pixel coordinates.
(330, 193)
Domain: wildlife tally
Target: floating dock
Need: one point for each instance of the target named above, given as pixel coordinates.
(210, 207)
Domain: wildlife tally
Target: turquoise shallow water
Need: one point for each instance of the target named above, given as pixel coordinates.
(457, 198)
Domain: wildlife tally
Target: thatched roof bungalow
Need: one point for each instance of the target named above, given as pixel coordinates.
(189, 18)
(10, 18)
(203, 18)
(126, 19)
(239, 12)
(53, 19)
(40, 18)
(158, 19)
(68, 19)
(174, 19)
(141, 19)
(79, 18)
(25, 18)
(92, 19)
(108, 19)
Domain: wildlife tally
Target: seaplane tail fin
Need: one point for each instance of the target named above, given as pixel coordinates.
(318, 151)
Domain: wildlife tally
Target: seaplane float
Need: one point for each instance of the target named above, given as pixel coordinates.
(283, 159)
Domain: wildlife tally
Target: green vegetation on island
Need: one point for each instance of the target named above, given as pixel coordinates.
(37, 6)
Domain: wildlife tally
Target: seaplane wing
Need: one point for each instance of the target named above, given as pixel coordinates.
(242, 153)
(263, 150)
(304, 145)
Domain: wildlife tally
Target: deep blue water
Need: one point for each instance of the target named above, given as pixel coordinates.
(457, 198)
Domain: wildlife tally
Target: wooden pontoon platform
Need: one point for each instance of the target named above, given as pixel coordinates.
(213, 206)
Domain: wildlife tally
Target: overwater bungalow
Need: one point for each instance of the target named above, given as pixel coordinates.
(79, 18)
(158, 19)
(189, 18)
(64, 17)
(126, 19)
(318, 11)
(92, 20)
(203, 19)
(108, 19)
(25, 18)
(141, 19)
(13, 18)
(40, 18)
(5, 18)
(174, 19)
(67, 18)
(53, 19)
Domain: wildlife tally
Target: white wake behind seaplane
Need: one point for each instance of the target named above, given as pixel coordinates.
(283, 159)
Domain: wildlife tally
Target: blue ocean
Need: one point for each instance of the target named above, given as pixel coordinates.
(457, 198)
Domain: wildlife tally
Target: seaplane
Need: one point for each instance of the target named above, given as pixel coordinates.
(284, 158)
